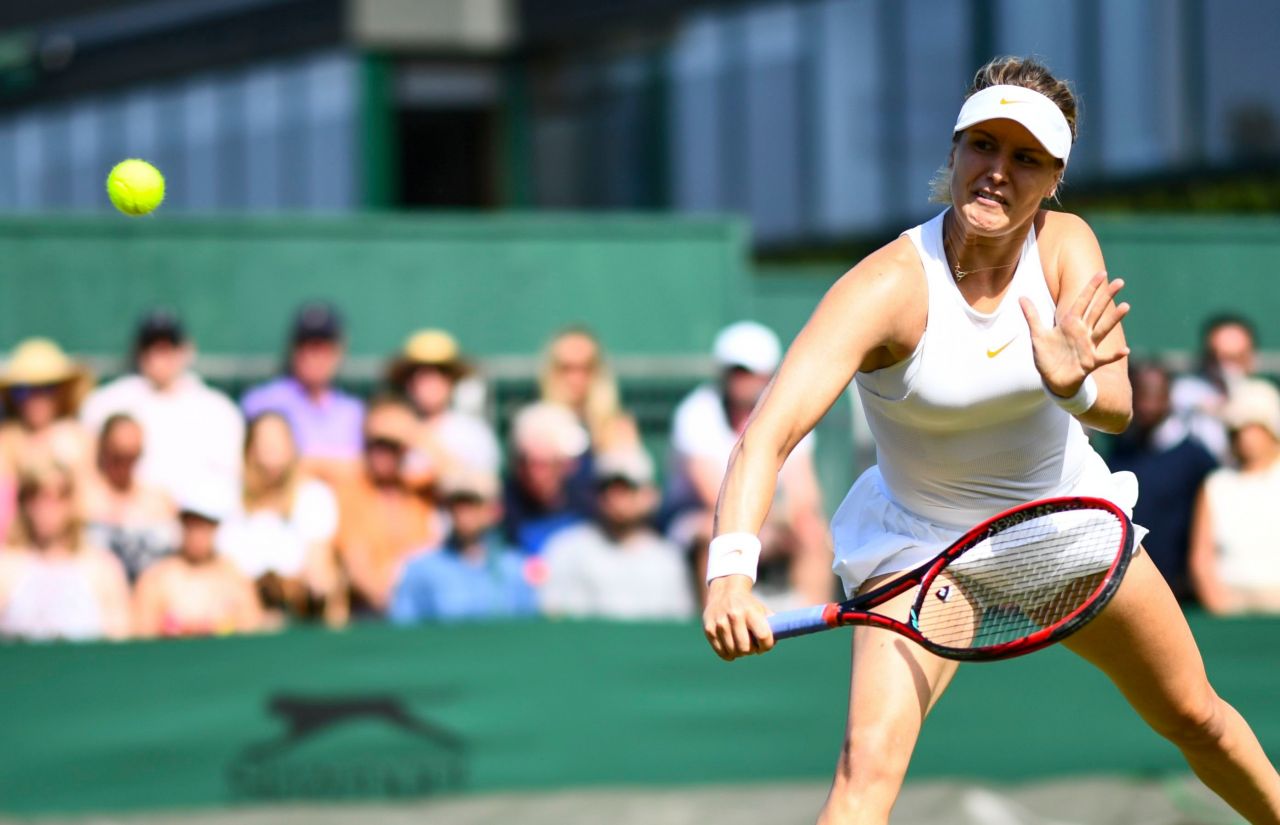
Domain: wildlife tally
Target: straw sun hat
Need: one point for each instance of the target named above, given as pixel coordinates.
(428, 348)
(39, 362)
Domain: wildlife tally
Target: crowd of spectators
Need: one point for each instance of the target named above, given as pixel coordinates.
(155, 505)
(1206, 450)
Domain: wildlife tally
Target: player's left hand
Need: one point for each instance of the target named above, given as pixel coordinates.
(1070, 350)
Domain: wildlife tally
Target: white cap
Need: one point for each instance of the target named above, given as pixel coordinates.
(1042, 117)
(749, 345)
(632, 465)
(546, 426)
(1254, 401)
(210, 499)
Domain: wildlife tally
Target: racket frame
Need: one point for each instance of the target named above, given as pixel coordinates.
(855, 611)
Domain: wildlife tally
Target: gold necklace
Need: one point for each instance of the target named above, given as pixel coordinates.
(959, 274)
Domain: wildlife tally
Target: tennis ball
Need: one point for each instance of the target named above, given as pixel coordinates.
(135, 186)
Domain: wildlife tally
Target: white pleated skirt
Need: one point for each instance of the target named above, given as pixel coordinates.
(875, 536)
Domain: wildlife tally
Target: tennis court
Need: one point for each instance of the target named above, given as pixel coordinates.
(1176, 800)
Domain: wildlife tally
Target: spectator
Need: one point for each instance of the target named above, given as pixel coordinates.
(1228, 356)
(547, 442)
(325, 420)
(41, 389)
(618, 566)
(426, 373)
(796, 560)
(1170, 465)
(53, 584)
(574, 373)
(382, 519)
(191, 432)
(136, 521)
(474, 574)
(1235, 534)
(283, 535)
(196, 592)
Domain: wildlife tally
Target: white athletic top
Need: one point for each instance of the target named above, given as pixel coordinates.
(963, 426)
(1242, 507)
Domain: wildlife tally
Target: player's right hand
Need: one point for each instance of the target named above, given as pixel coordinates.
(734, 621)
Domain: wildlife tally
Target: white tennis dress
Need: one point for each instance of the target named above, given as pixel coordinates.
(963, 428)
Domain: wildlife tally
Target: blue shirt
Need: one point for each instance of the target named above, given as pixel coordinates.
(442, 585)
(1169, 478)
(328, 428)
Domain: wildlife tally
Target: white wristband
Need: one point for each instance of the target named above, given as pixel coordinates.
(733, 554)
(1082, 401)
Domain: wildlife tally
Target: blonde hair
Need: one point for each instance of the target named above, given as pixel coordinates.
(1027, 72)
(32, 478)
(258, 489)
(603, 406)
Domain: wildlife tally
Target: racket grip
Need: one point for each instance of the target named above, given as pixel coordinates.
(799, 622)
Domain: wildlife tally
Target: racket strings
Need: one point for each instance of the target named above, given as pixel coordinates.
(1022, 577)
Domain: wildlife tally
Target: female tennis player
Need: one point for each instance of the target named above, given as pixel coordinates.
(980, 342)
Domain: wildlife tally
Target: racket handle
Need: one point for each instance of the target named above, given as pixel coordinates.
(800, 622)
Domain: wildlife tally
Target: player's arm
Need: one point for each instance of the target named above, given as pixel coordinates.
(864, 317)
(1085, 337)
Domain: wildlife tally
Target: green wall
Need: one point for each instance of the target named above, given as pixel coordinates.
(651, 285)
(377, 712)
(501, 283)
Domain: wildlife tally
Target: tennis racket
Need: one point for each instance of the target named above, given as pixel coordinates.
(1018, 582)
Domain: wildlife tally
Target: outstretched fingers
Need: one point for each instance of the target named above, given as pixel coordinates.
(1080, 307)
(1109, 321)
(1103, 300)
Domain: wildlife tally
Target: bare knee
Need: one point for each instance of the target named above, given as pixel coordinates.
(1194, 724)
(869, 763)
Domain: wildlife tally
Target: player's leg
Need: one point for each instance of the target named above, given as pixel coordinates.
(893, 685)
(1142, 642)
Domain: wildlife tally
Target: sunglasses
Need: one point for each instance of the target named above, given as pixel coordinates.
(383, 443)
(120, 458)
(22, 392)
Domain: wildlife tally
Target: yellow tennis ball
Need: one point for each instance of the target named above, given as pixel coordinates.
(135, 186)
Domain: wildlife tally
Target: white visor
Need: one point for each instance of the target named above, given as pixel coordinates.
(1040, 115)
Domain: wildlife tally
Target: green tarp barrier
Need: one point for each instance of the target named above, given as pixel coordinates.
(381, 712)
(652, 285)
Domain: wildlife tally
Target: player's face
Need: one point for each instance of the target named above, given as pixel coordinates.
(1000, 176)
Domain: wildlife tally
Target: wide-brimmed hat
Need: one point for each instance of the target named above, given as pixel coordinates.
(427, 348)
(39, 362)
